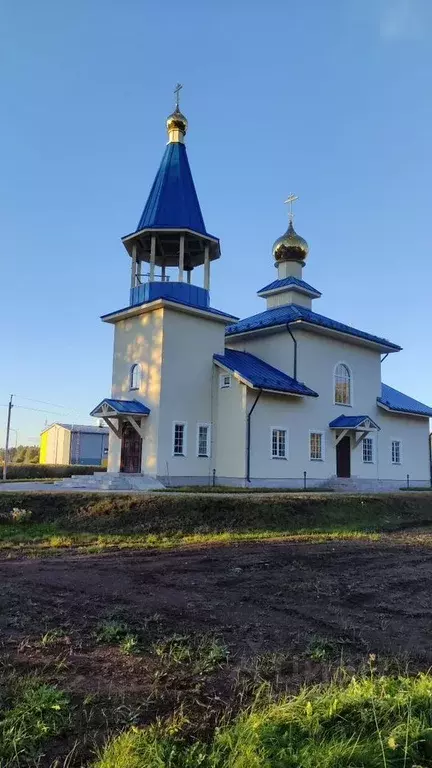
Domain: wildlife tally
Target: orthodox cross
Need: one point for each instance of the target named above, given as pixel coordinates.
(177, 90)
(289, 201)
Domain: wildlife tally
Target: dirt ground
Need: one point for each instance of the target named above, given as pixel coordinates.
(346, 599)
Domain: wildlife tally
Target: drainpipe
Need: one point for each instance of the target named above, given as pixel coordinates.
(248, 435)
(295, 350)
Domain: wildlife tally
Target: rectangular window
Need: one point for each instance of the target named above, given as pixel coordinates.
(368, 450)
(203, 440)
(316, 446)
(179, 438)
(396, 452)
(224, 380)
(279, 443)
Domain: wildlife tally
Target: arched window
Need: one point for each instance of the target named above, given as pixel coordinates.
(135, 377)
(342, 385)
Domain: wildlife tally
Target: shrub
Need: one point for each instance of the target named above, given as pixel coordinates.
(30, 471)
(21, 515)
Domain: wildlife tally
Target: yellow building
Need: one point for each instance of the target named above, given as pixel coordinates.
(74, 444)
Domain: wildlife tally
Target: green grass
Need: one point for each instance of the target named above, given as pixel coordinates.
(30, 715)
(49, 539)
(49, 481)
(238, 489)
(368, 723)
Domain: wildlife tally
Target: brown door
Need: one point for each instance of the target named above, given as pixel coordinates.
(131, 447)
(343, 457)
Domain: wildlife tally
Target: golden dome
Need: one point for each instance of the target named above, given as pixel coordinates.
(290, 246)
(176, 122)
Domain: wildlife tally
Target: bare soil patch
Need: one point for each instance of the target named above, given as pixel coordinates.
(286, 612)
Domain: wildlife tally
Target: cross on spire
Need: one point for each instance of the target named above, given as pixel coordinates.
(177, 90)
(289, 201)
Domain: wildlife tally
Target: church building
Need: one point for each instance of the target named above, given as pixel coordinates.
(283, 398)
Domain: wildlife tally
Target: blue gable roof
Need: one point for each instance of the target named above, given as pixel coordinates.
(260, 374)
(398, 402)
(291, 313)
(124, 406)
(287, 282)
(173, 201)
(350, 422)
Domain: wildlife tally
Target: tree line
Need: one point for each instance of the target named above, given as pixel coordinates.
(22, 454)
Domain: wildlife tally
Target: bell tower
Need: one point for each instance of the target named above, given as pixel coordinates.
(171, 231)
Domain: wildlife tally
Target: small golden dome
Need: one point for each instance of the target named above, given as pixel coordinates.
(177, 122)
(290, 246)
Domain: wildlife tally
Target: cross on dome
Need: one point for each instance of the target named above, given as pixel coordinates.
(292, 198)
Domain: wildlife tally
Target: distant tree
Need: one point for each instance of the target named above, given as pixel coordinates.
(18, 455)
(31, 454)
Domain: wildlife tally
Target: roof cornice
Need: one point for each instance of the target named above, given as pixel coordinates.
(141, 309)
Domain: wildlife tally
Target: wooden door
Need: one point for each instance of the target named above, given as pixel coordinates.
(131, 450)
(343, 457)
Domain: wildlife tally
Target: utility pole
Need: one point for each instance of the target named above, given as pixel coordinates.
(10, 406)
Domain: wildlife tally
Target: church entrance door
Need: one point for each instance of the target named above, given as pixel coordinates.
(131, 450)
(343, 457)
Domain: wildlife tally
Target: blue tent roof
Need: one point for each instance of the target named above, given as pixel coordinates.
(290, 313)
(173, 201)
(350, 422)
(260, 374)
(398, 402)
(124, 406)
(288, 282)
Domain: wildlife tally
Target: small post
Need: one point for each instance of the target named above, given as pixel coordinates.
(304, 479)
(163, 273)
(188, 274)
(207, 268)
(408, 481)
(10, 406)
(152, 258)
(181, 258)
(214, 478)
(134, 265)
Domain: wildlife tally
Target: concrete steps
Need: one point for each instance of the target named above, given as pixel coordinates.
(110, 481)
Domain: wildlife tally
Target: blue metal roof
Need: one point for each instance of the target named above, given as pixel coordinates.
(351, 422)
(171, 300)
(261, 375)
(124, 406)
(288, 282)
(173, 201)
(291, 313)
(398, 402)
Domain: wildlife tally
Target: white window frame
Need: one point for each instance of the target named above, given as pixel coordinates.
(366, 461)
(135, 369)
(351, 392)
(396, 440)
(184, 425)
(225, 380)
(279, 429)
(323, 444)
(206, 455)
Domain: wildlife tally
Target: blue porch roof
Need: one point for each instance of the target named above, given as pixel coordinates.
(173, 201)
(351, 422)
(290, 282)
(292, 313)
(261, 375)
(393, 400)
(125, 407)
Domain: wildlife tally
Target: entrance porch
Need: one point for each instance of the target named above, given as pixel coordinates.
(349, 433)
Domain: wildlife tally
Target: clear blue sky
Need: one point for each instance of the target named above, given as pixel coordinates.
(329, 99)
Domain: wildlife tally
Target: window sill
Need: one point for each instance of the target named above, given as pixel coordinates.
(344, 405)
(203, 456)
(368, 462)
(310, 459)
(179, 455)
(280, 458)
(133, 389)
(396, 463)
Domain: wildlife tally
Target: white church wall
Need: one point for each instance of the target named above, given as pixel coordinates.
(187, 396)
(138, 339)
(413, 434)
(230, 430)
